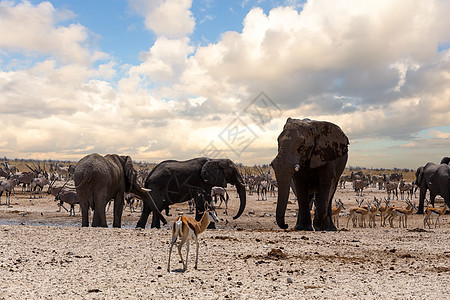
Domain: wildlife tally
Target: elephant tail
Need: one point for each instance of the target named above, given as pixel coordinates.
(86, 178)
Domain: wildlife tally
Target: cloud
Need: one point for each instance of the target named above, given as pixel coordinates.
(32, 29)
(168, 18)
(374, 68)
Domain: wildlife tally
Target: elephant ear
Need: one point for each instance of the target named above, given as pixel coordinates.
(330, 144)
(130, 173)
(212, 173)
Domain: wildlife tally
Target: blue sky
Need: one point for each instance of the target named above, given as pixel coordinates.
(168, 79)
(119, 30)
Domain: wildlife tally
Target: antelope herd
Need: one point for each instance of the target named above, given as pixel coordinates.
(262, 183)
(392, 184)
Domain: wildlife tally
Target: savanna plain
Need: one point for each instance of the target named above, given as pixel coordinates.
(45, 254)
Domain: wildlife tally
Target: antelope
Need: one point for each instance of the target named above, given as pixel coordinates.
(3, 173)
(405, 187)
(25, 178)
(359, 185)
(38, 184)
(384, 212)
(402, 212)
(429, 211)
(262, 188)
(69, 197)
(11, 169)
(186, 229)
(391, 187)
(335, 211)
(65, 171)
(273, 184)
(8, 186)
(358, 210)
(133, 201)
(344, 178)
(373, 209)
(217, 191)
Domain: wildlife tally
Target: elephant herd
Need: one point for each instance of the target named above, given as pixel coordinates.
(311, 158)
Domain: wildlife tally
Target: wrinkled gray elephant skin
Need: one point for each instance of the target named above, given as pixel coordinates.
(174, 181)
(313, 154)
(436, 179)
(99, 179)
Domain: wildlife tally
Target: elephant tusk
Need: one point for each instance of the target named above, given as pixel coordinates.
(147, 190)
(297, 167)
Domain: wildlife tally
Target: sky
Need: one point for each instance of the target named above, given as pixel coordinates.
(178, 79)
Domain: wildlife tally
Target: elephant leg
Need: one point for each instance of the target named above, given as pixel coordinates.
(118, 209)
(95, 219)
(423, 192)
(84, 214)
(158, 199)
(322, 218)
(100, 199)
(304, 214)
(432, 198)
(102, 218)
(144, 216)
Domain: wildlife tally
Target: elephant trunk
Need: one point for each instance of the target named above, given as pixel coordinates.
(240, 187)
(283, 197)
(284, 166)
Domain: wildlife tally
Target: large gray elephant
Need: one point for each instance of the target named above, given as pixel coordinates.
(174, 181)
(435, 178)
(313, 154)
(99, 179)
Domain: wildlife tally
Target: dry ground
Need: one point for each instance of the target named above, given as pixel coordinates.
(45, 254)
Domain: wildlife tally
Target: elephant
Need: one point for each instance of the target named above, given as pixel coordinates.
(98, 179)
(445, 160)
(313, 154)
(435, 178)
(174, 181)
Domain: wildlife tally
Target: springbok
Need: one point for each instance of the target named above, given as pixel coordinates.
(384, 212)
(354, 211)
(335, 211)
(403, 213)
(186, 229)
(429, 211)
(373, 209)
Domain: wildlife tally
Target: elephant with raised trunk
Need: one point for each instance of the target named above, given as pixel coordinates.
(436, 179)
(174, 181)
(99, 179)
(313, 155)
